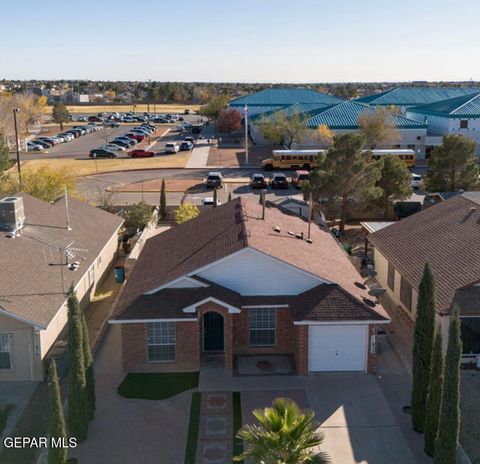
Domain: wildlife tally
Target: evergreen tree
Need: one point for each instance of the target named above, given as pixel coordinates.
(453, 165)
(434, 394)
(89, 370)
(77, 417)
(163, 202)
(345, 176)
(57, 421)
(4, 155)
(215, 197)
(422, 347)
(60, 114)
(449, 422)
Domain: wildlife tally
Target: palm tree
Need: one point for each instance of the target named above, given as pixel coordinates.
(285, 435)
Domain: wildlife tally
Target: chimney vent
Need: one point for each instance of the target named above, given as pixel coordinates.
(12, 215)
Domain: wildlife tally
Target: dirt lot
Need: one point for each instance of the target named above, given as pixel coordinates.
(470, 399)
(236, 156)
(93, 109)
(85, 167)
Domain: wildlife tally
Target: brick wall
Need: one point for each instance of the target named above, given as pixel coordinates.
(135, 355)
(285, 342)
(372, 357)
(301, 349)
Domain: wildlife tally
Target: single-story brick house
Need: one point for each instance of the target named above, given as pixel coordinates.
(44, 251)
(447, 234)
(233, 283)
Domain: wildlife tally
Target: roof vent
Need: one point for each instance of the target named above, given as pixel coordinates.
(12, 215)
(290, 233)
(309, 240)
(276, 229)
(299, 236)
(473, 209)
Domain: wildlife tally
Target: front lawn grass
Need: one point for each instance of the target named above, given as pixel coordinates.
(237, 424)
(157, 386)
(193, 427)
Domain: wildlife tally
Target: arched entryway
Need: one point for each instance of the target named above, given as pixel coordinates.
(213, 339)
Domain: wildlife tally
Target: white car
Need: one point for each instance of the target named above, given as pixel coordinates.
(209, 201)
(416, 181)
(172, 147)
(31, 146)
(113, 147)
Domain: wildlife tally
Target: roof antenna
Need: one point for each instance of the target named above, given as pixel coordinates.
(66, 209)
(310, 212)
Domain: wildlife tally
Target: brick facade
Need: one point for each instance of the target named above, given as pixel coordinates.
(301, 349)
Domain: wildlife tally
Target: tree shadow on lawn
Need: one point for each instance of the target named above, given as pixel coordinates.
(157, 386)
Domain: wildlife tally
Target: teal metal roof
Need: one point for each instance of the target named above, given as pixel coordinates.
(345, 116)
(412, 96)
(466, 106)
(284, 97)
(307, 110)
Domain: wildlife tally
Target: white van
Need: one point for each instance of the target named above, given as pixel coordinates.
(172, 147)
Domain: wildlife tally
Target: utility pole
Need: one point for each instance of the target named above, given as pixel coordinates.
(245, 110)
(148, 97)
(15, 111)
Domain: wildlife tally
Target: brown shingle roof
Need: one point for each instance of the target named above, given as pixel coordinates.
(30, 275)
(229, 228)
(468, 300)
(446, 234)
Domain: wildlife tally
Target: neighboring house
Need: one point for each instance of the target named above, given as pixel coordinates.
(405, 97)
(229, 282)
(294, 205)
(269, 100)
(40, 259)
(447, 235)
(457, 116)
(342, 118)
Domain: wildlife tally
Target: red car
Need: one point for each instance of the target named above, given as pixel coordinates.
(141, 154)
(136, 137)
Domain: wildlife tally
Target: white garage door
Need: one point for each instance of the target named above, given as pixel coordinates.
(337, 347)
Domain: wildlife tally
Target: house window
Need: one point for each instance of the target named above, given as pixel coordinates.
(406, 293)
(419, 137)
(91, 276)
(262, 326)
(391, 277)
(161, 341)
(411, 146)
(470, 330)
(5, 361)
(464, 124)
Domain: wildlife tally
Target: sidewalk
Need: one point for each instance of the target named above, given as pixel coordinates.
(199, 156)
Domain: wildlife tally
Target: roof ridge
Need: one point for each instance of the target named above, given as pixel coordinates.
(244, 215)
(475, 95)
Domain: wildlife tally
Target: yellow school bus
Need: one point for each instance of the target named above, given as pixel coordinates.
(308, 159)
(292, 159)
(407, 156)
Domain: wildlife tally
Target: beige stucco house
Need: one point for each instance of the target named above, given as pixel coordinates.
(45, 248)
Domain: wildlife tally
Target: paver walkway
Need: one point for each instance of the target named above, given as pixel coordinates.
(215, 438)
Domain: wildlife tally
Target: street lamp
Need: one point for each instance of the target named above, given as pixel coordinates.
(245, 111)
(15, 111)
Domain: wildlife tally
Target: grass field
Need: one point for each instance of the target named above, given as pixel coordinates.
(140, 108)
(86, 167)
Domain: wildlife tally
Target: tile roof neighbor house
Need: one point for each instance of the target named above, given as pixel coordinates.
(413, 96)
(445, 234)
(40, 258)
(459, 115)
(231, 283)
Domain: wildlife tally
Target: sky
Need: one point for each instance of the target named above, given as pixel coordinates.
(292, 41)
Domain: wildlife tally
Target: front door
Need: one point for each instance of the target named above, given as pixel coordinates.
(212, 332)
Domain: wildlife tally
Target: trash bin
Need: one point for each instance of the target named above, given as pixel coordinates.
(119, 274)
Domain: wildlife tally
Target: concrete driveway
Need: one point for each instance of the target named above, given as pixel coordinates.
(130, 431)
(353, 413)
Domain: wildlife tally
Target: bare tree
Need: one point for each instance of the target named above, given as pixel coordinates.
(378, 128)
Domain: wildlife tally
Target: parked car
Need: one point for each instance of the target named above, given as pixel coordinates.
(416, 181)
(141, 153)
(95, 119)
(50, 140)
(113, 147)
(209, 201)
(171, 147)
(128, 119)
(146, 130)
(189, 139)
(299, 177)
(67, 136)
(32, 146)
(214, 180)
(138, 137)
(258, 181)
(279, 181)
(120, 143)
(82, 119)
(186, 146)
(186, 112)
(43, 143)
(102, 153)
(130, 142)
(112, 124)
